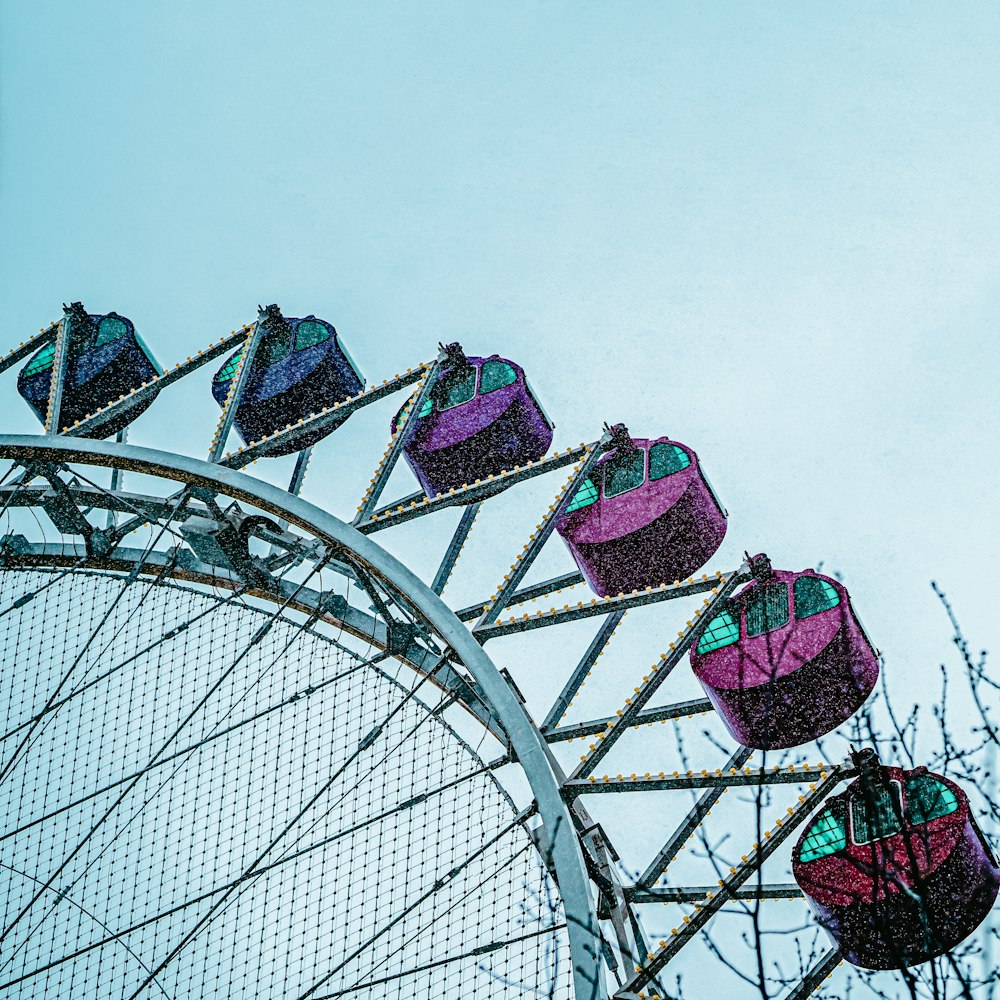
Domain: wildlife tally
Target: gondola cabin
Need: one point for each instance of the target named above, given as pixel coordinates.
(299, 367)
(647, 515)
(896, 868)
(105, 359)
(786, 660)
(481, 419)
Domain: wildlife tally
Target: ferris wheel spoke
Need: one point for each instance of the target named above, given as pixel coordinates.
(418, 504)
(166, 514)
(41, 717)
(699, 893)
(81, 844)
(529, 593)
(732, 778)
(455, 546)
(40, 339)
(410, 803)
(236, 386)
(600, 606)
(440, 883)
(322, 421)
(664, 713)
(425, 928)
(658, 673)
(484, 949)
(542, 532)
(688, 825)
(89, 425)
(774, 837)
(405, 426)
(579, 676)
(58, 377)
(822, 969)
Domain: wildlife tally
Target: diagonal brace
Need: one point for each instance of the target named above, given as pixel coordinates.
(583, 668)
(235, 392)
(822, 969)
(689, 824)
(726, 891)
(455, 546)
(523, 562)
(658, 673)
(405, 427)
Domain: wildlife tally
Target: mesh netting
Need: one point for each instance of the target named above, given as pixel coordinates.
(217, 811)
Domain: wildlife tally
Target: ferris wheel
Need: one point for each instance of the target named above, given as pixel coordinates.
(249, 751)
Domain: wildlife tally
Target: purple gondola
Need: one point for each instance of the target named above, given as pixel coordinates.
(481, 419)
(786, 660)
(106, 359)
(300, 366)
(896, 868)
(646, 516)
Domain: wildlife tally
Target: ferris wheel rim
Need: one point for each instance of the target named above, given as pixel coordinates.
(563, 848)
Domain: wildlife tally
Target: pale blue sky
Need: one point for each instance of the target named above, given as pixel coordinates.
(770, 230)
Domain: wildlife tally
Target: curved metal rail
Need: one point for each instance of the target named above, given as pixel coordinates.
(341, 541)
(577, 846)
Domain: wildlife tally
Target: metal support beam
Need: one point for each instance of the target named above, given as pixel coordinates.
(526, 744)
(659, 672)
(58, 379)
(417, 504)
(455, 547)
(716, 898)
(689, 824)
(678, 710)
(597, 606)
(544, 529)
(294, 488)
(699, 893)
(536, 590)
(583, 668)
(117, 475)
(405, 427)
(299, 472)
(326, 420)
(28, 347)
(813, 979)
(236, 388)
(611, 784)
(151, 388)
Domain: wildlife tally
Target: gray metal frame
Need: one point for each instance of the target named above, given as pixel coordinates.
(562, 849)
(569, 840)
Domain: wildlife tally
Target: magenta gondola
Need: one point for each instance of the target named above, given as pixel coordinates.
(786, 660)
(106, 359)
(481, 419)
(647, 515)
(896, 867)
(299, 367)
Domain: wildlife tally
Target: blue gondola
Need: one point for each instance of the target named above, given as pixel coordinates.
(300, 366)
(107, 359)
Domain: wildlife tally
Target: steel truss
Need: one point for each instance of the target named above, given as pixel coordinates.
(409, 621)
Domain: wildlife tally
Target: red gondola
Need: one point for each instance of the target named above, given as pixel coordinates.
(896, 867)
